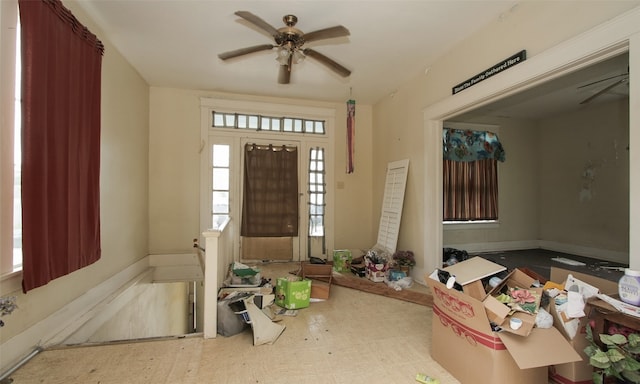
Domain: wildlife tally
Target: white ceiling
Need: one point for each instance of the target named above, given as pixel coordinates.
(175, 43)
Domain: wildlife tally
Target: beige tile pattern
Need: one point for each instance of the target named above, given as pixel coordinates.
(354, 337)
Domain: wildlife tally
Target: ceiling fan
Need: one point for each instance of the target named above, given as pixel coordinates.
(616, 81)
(290, 41)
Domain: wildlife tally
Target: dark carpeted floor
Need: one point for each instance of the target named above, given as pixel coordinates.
(541, 261)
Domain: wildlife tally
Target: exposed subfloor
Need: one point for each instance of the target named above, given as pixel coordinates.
(354, 337)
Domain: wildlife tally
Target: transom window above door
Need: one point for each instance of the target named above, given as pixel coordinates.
(267, 123)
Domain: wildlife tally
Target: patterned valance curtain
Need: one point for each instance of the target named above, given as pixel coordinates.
(468, 145)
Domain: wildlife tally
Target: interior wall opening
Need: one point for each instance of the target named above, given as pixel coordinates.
(562, 60)
(565, 184)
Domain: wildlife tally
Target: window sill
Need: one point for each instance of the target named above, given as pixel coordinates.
(469, 225)
(11, 282)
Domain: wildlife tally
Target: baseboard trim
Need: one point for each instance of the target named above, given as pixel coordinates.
(572, 249)
(495, 246)
(595, 253)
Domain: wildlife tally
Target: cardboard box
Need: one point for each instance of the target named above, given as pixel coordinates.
(342, 260)
(470, 273)
(464, 343)
(321, 275)
(579, 372)
(293, 294)
(320, 290)
(499, 313)
(375, 272)
(377, 276)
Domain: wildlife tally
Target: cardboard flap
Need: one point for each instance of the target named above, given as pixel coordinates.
(465, 309)
(473, 269)
(543, 347)
(496, 311)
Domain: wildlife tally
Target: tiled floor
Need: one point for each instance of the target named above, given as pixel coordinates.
(353, 337)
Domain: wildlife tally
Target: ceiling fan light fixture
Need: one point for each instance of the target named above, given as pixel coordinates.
(284, 53)
(298, 56)
(283, 56)
(289, 42)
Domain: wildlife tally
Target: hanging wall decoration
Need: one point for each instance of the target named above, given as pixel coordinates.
(351, 134)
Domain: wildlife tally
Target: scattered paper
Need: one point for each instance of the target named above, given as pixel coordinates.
(621, 306)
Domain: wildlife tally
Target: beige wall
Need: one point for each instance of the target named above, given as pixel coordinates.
(157, 310)
(534, 26)
(174, 171)
(123, 190)
(584, 177)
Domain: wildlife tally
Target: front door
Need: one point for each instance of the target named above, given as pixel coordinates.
(267, 217)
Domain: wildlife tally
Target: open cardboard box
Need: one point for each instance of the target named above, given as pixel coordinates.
(578, 372)
(464, 343)
(498, 312)
(321, 275)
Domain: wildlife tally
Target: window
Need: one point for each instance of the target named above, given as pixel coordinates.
(317, 190)
(470, 190)
(17, 161)
(470, 175)
(11, 249)
(220, 177)
(266, 123)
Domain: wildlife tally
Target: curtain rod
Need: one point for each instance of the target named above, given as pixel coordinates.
(272, 147)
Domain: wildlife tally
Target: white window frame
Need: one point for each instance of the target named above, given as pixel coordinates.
(8, 20)
(211, 135)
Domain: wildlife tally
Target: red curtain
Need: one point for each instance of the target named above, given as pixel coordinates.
(61, 70)
(470, 190)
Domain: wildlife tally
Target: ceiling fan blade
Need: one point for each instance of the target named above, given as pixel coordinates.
(284, 76)
(603, 90)
(258, 22)
(337, 68)
(601, 80)
(244, 51)
(326, 33)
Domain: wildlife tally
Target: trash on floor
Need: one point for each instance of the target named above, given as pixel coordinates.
(287, 312)
(321, 276)
(377, 264)
(241, 275)
(474, 321)
(246, 299)
(425, 379)
(293, 292)
(342, 260)
(265, 330)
